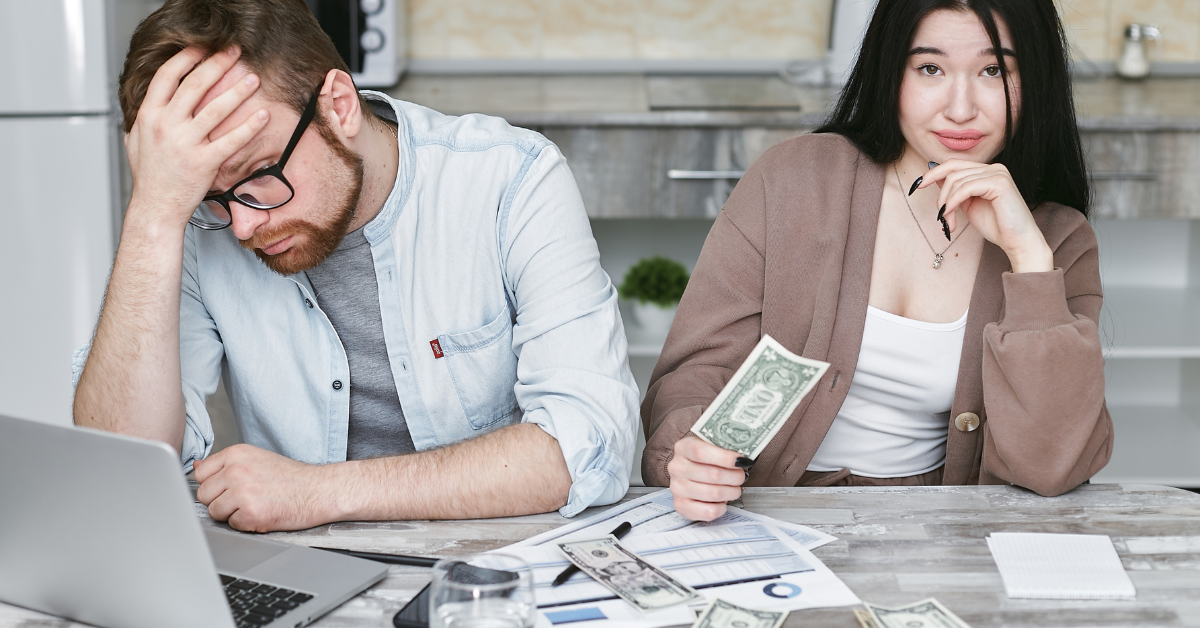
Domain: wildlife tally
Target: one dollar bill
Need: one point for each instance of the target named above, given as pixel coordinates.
(754, 405)
(626, 574)
(928, 613)
(722, 614)
(864, 618)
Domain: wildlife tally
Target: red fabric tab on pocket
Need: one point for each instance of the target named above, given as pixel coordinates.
(437, 348)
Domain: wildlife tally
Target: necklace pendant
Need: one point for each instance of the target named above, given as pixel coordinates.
(937, 260)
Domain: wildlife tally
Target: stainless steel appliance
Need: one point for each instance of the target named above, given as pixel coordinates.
(370, 36)
(60, 159)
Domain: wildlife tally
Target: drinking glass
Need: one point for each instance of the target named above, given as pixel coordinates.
(481, 591)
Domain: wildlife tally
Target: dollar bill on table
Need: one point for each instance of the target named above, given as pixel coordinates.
(722, 614)
(754, 405)
(626, 574)
(928, 613)
(864, 618)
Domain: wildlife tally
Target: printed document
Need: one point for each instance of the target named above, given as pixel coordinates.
(752, 559)
(655, 512)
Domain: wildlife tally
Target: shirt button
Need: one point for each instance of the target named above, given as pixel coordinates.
(966, 422)
(308, 303)
(337, 384)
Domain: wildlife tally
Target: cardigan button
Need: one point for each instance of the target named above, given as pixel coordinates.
(966, 422)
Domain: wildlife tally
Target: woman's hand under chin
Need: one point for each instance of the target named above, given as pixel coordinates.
(990, 200)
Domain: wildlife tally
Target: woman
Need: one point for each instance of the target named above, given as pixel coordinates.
(959, 318)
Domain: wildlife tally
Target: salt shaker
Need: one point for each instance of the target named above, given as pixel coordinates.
(1134, 64)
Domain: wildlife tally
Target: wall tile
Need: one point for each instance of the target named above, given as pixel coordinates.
(589, 29)
(427, 29)
(1086, 23)
(508, 29)
(682, 29)
(714, 29)
(778, 29)
(1178, 19)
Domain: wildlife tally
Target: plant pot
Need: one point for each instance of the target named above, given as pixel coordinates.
(654, 320)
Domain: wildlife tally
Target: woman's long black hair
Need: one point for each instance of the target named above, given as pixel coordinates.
(1043, 152)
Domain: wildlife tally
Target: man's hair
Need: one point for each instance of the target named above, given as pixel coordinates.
(281, 42)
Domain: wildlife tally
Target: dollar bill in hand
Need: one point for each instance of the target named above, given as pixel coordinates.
(621, 571)
(722, 614)
(754, 405)
(928, 613)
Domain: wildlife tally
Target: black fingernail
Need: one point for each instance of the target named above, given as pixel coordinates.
(933, 164)
(915, 184)
(743, 463)
(941, 212)
(946, 228)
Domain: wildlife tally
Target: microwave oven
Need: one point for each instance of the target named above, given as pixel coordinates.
(369, 35)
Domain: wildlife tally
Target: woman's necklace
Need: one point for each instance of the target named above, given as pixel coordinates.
(937, 257)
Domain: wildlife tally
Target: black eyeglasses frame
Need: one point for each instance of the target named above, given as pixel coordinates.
(275, 170)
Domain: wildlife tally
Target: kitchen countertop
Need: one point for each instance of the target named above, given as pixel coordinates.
(759, 101)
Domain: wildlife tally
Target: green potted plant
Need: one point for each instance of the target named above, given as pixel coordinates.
(654, 285)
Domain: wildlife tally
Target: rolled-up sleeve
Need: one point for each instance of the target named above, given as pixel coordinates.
(200, 353)
(573, 377)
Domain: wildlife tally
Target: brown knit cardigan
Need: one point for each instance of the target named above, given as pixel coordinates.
(790, 255)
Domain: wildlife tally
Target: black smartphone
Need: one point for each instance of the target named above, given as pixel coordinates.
(415, 614)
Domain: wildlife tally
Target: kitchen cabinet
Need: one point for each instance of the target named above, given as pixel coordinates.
(674, 172)
(1151, 329)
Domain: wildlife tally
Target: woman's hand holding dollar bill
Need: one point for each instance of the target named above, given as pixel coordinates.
(748, 412)
(703, 478)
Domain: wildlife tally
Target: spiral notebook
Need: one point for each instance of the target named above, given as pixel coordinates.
(1060, 566)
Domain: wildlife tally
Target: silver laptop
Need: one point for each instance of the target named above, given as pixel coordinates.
(102, 529)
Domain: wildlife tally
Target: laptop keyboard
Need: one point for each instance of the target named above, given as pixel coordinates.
(257, 604)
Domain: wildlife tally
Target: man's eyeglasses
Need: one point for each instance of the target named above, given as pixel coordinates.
(265, 189)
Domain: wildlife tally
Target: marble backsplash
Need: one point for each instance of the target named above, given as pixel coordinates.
(727, 29)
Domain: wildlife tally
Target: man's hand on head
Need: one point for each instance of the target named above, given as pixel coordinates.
(172, 156)
(259, 491)
(130, 383)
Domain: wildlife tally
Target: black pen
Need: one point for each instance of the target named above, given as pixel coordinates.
(566, 574)
(391, 559)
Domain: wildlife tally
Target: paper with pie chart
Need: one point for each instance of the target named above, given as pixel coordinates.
(755, 563)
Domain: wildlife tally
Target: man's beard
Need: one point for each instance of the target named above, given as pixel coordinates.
(317, 242)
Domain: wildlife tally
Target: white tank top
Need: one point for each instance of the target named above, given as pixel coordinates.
(894, 420)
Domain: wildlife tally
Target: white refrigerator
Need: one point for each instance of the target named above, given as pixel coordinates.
(60, 188)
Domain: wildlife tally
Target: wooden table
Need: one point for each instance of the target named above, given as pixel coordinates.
(895, 545)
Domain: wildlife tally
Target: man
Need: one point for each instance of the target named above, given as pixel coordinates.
(409, 306)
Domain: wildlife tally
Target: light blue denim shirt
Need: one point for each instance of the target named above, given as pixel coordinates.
(483, 246)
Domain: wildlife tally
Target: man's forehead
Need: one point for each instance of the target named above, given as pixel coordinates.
(278, 126)
(281, 114)
(258, 101)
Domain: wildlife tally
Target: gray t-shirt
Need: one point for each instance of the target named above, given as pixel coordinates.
(348, 292)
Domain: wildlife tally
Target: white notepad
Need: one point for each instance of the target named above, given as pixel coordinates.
(1060, 566)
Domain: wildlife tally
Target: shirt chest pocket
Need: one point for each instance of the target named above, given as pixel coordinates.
(483, 368)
